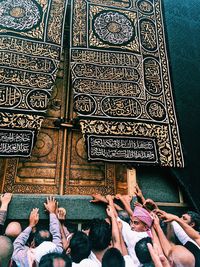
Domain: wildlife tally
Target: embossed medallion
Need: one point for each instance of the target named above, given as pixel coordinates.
(20, 15)
(113, 27)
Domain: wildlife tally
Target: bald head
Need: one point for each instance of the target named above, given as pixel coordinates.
(13, 229)
(5, 251)
(182, 257)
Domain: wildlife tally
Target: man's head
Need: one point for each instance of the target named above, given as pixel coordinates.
(13, 229)
(141, 220)
(41, 236)
(6, 250)
(123, 215)
(55, 260)
(79, 247)
(142, 251)
(113, 258)
(100, 235)
(179, 256)
(193, 219)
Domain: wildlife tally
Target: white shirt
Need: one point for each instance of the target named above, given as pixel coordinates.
(181, 234)
(92, 261)
(128, 261)
(131, 238)
(85, 263)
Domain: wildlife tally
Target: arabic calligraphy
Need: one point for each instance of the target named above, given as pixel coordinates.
(28, 47)
(84, 104)
(148, 34)
(121, 3)
(121, 107)
(112, 148)
(10, 96)
(152, 76)
(24, 78)
(106, 72)
(145, 6)
(105, 58)
(156, 110)
(16, 142)
(10, 59)
(38, 99)
(108, 88)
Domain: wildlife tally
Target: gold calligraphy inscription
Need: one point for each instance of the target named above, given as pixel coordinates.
(122, 79)
(10, 59)
(15, 44)
(145, 6)
(152, 76)
(25, 78)
(121, 3)
(16, 142)
(117, 128)
(112, 148)
(79, 24)
(121, 107)
(105, 57)
(10, 96)
(106, 88)
(105, 72)
(148, 34)
(55, 22)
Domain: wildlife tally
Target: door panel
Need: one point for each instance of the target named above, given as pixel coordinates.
(83, 177)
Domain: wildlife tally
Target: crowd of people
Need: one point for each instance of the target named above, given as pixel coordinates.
(133, 234)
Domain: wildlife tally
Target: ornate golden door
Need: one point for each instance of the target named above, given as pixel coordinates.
(58, 164)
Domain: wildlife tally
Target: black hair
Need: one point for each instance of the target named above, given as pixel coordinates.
(124, 216)
(195, 218)
(39, 238)
(113, 258)
(80, 247)
(142, 251)
(100, 234)
(49, 259)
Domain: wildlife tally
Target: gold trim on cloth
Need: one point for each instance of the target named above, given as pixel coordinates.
(121, 82)
(31, 35)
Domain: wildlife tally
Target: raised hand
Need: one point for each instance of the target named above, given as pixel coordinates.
(110, 212)
(51, 205)
(138, 191)
(34, 217)
(98, 198)
(150, 204)
(61, 213)
(5, 200)
(167, 217)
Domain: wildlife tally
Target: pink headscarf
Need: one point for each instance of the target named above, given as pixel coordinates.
(143, 215)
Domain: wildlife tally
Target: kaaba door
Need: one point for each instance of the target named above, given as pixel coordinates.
(58, 164)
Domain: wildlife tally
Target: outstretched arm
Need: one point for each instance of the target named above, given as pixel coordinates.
(99, 198)
(187, 228)
(126, 202)
(5, 200)
(20, 249)
(115, 231)
(51, 207)
(139, 194)
(166, 246)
